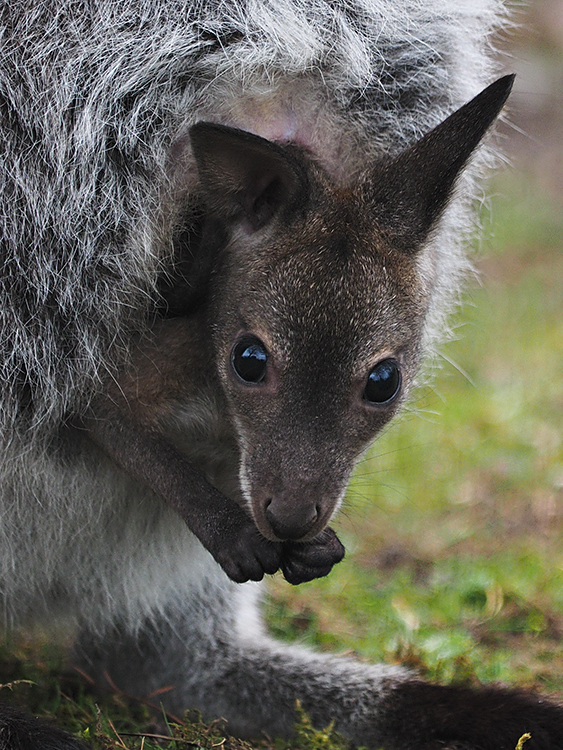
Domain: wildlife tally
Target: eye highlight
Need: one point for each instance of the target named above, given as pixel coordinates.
(384, 383)
(249, 360)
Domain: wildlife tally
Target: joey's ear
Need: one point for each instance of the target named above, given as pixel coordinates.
(410, 192)
(246, 178)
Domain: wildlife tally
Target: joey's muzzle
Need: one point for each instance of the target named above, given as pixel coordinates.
(291, 491)
(292, 514)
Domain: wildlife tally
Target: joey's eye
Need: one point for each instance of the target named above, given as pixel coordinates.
(249, 359)
(384, 382)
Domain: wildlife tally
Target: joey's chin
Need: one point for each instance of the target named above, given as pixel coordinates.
(289, 535)
(265, 528)
(267, 532)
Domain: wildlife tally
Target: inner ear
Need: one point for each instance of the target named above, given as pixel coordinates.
(261, 205)
(184, 288)
(245, 178)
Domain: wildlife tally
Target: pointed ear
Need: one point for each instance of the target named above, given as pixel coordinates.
(244, 177)
(409, 193)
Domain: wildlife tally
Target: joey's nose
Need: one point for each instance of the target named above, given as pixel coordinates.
(290, 523)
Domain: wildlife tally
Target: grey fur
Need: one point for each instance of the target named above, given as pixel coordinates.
(96, 102)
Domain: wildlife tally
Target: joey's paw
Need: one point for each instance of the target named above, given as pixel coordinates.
(247, 555)
(304, 561)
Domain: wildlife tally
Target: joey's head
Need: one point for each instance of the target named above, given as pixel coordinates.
(318, 302)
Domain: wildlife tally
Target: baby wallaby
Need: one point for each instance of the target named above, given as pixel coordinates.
(293, 338)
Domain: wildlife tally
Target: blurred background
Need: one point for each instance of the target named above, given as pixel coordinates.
(534, 50)
(454, 521)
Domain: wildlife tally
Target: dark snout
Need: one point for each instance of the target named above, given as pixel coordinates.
(293, 495)
(293, 514)
(291, 520)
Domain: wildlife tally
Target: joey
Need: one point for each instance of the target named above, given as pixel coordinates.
(247, 416)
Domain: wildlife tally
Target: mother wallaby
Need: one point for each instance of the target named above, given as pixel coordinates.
(230, 230)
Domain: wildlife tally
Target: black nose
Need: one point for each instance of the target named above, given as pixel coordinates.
(291, 522)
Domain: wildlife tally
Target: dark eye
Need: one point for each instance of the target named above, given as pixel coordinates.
(249, 359)
(384, 382)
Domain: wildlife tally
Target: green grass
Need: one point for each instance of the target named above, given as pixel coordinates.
(453, 522)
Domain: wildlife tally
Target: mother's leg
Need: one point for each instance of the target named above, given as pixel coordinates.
(212, 651)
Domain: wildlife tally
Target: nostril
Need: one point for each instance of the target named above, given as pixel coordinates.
(270, 515)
